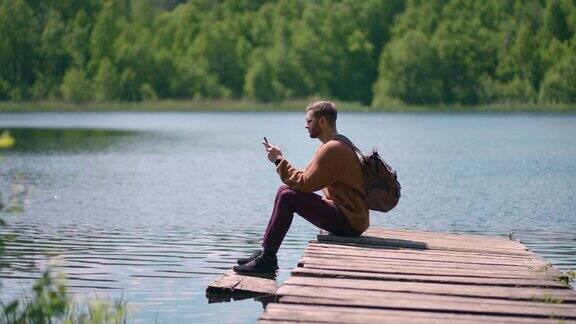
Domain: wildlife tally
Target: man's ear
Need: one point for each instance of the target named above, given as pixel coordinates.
(322, 120)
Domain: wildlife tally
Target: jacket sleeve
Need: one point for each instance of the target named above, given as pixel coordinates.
(319, 173)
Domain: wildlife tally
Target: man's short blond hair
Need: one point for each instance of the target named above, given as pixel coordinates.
(324, 108)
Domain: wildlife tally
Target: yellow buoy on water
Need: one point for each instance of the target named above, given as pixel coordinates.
(6, 141)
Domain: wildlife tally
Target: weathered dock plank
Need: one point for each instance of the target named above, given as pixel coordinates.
(371, 238)
(300, 271)
(418, 301)
(290, 313)
(390, 249)
(403, 254)
(311, 257)
(514, 293)
(400, 276)
(382, 267)
(231, 282)
(483, 239)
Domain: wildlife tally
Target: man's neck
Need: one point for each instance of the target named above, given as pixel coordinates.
(328, 135)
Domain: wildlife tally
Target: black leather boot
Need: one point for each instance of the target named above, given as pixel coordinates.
(255, 254)
(262, 264)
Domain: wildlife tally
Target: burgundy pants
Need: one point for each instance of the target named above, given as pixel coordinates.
(311, 207)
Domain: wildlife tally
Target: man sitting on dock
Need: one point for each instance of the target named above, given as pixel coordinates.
(335, 169)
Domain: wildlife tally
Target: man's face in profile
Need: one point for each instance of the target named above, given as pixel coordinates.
(312, 125)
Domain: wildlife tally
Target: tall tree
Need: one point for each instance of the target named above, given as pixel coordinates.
(408, 72)
(55, 58)
(19, 40)
(555, 21)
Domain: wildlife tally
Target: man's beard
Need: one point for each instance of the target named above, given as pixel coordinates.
(313, 134)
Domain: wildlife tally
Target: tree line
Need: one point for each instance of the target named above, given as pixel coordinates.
(378, 52)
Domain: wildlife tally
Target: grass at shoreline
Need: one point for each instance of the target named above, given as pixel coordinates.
(246, 105)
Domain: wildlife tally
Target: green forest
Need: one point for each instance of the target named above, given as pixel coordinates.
(374, 52)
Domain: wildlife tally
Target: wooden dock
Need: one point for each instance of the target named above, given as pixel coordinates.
(399, 276)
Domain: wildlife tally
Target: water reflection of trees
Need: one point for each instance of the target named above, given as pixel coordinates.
(63, 139)
(18, 194)
(14, 203)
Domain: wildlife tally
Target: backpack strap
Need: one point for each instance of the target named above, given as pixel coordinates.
(360, 157)
(347, 141)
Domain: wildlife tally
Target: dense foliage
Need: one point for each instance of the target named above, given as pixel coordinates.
(375, 51)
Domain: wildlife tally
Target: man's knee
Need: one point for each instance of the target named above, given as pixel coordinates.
(286, 195)
(281, 188)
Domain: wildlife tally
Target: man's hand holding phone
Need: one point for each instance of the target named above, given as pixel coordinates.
(274, 152)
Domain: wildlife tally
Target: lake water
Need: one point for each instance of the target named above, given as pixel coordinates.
(154, 206)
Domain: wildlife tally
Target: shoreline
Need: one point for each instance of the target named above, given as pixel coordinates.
(253, 106)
